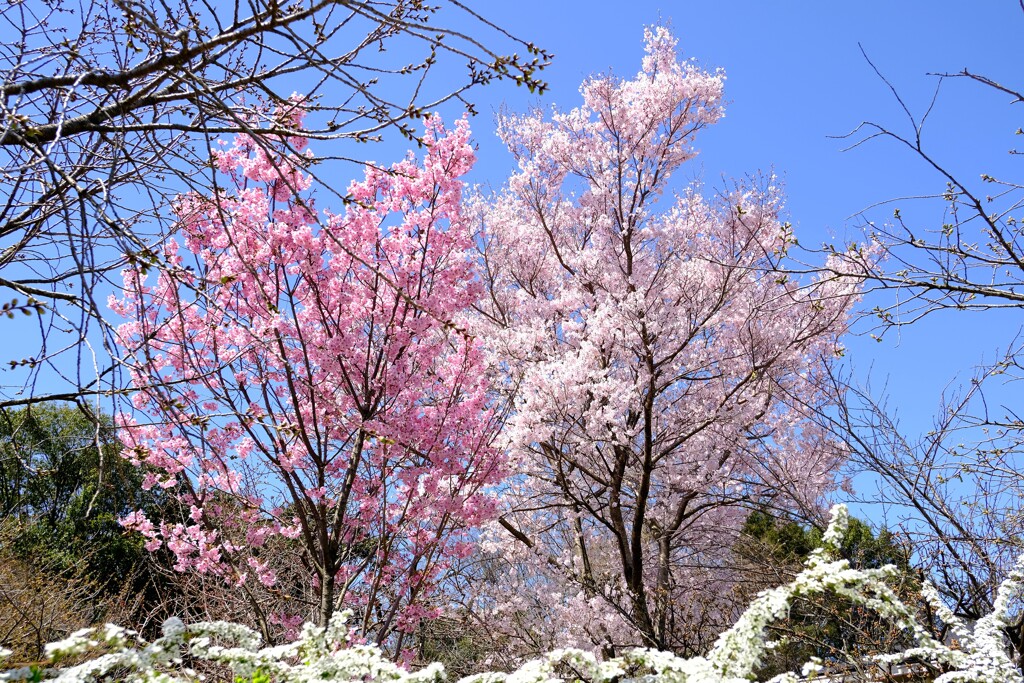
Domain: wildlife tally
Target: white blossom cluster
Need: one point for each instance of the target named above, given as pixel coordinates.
(330, 654)
(320, 654)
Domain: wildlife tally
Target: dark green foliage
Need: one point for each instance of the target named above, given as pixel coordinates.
(63, 485)
(789, 541)
(827, 627)
(65, 562)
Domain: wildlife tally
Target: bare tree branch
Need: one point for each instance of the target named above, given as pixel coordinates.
(108, 112)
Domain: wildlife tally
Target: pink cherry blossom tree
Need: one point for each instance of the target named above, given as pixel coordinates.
(303, 382)
(662, 372)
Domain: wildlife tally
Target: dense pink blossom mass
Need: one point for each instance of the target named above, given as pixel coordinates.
(312, 397)
(662, 369)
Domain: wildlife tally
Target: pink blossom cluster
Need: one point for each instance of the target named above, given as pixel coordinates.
(303, 379)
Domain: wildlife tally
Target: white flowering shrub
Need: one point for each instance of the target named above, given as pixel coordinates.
(331, 654)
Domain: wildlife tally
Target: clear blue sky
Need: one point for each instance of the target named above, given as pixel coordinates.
(795, 77)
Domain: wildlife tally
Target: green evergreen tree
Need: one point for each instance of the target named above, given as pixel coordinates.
(827, 627)
(63, 486)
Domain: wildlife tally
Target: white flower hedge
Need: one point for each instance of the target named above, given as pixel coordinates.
(327, 654)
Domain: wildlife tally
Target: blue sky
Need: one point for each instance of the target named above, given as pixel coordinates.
(795, 78)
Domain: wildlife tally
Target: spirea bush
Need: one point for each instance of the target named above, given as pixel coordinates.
(334, 653)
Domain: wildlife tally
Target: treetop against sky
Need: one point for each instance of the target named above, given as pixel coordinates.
(797, 82)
